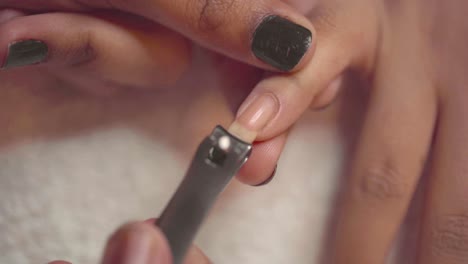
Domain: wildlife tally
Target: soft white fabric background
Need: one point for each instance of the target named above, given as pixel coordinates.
(65, 187)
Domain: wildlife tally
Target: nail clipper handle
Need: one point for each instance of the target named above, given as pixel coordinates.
(198, 191)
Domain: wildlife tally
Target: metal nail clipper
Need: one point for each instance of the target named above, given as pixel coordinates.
(217, 160)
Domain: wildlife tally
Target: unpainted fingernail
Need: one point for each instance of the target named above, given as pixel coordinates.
(281, 42)
(256, 113)
(134, 246)
(267, 181)
(25, 52)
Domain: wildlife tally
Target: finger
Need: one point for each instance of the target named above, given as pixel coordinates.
(388, 162)
(268, 34)
(444, 237)
(132, 52)
(278, 101)
(138, 243)
(262, 164)
(194, 254)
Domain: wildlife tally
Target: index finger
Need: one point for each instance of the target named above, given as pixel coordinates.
(269, 33)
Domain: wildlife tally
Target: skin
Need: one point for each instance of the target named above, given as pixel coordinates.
(410, 57)
(144, 235)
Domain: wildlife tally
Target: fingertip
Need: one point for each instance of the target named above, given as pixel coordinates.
(136, 242)
(283, 43)
(116, 51)
(25, 52)
(196, 256)
(310, 42)
(293, 94)
(20, 45)
(269, 179)
(268, 34)
(267, 110)
(262, 163)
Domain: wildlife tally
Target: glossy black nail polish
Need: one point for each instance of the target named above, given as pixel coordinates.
(280, 42)
(267, 181)
(25, 52)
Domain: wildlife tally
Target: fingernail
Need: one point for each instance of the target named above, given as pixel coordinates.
(280, 42)
(267, 181)
(25, 52)
(135, 246)
(256, 114)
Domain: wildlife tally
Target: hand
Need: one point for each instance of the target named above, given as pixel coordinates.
(155, 58)
(83, 51)
(412, 69)
(224, 26)
(142, 243)
(411, 58)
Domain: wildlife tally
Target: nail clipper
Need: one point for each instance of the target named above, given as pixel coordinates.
(217, 160)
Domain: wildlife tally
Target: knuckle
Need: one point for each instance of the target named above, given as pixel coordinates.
(210, 15)
(450, 237)
(84, 53)
(382, 182)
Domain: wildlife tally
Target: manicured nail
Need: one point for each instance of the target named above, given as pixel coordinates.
(267, 181)
(134, 246)
(280, 42)
(25, 52)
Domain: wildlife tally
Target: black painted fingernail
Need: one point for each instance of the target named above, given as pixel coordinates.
(25, 52)
(267, 181)
(280, 42)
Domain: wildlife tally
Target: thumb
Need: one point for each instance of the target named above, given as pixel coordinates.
(137, 243)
